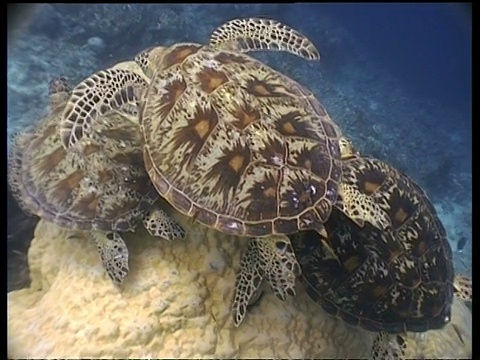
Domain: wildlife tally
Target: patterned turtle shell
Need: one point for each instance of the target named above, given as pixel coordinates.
(100, 187)
(237, 145)
(227, 140)
(394, 280)
(103, 186)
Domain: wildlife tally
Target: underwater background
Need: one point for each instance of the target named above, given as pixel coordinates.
(396, 78)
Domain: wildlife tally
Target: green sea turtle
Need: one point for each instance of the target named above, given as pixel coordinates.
(454, 340)
(227, 140)
(101, 188)
(394, 280)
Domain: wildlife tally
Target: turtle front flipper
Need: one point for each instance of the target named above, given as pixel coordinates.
(249, 279)
(95, 96)
(360, 207)
(253, 34)
(357, 198)
(114, 254)
(388, 347)
(159, 224)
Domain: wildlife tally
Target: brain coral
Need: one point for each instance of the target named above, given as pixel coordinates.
(175, 304)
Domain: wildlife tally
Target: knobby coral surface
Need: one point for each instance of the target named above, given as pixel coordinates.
(175, 303)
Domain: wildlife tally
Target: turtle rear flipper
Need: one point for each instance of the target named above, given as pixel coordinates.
(279, 263)
(269, 258)
(463, 287)
(159, 224)
(388, 347)
(114, 254)
(253, 34)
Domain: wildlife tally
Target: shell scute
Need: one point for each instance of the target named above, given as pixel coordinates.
(258, 141)
(99, 186)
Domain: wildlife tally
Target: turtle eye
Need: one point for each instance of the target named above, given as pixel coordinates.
(281, 245)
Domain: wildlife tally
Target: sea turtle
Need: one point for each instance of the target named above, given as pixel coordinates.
(398, 279)
(101, 188)
(454, 340)
(394, 280)
(227, 140)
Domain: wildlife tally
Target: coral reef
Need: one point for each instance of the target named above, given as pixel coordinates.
(176, 304)
(154, 316)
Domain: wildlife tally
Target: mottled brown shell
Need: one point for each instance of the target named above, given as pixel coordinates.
(400, 279)
(237, 145)
(105, 187)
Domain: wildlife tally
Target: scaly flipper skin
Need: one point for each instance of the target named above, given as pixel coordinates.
(279, 263)
(14, 173)
(388, 347)
(96, 96)
(358, 204)
(272, 259)
(463, 287)
(114, 255)
(248, 281)
(361, 207)
(159, 224)
(252, 34)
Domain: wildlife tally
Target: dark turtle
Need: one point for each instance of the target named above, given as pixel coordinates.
(450, 341)
(396, 279)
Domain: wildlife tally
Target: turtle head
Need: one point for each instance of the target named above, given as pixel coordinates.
(347, 150)
(149, 59)
(59, 91)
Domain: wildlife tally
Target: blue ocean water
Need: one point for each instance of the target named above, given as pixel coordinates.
(395, 77)
(429, 46)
